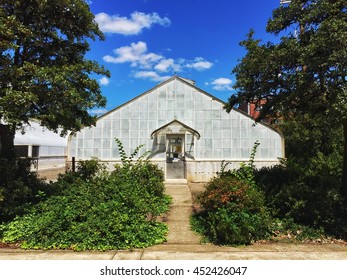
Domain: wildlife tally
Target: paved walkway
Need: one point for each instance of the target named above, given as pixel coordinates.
(179, 215)
(183, 244)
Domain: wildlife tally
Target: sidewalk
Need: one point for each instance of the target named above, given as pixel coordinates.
(183, 244)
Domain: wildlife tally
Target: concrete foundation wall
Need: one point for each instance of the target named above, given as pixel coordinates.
(203, 171)
(198, 170)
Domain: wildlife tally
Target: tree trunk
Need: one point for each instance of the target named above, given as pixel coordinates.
(344, 170)
(7, 133)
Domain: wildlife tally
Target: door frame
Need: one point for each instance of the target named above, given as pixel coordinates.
(179, 157)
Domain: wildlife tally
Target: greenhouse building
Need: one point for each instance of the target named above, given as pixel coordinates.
(46, 148)
(185, 129)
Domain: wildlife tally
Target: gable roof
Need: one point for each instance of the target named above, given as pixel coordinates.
(175, 77)
(35, 134)
(190, 83)
(176, 122)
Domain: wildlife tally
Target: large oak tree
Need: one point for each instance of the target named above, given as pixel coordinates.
(43, 70)
(305, 71)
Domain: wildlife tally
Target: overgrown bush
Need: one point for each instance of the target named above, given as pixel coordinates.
(20, 188)
(86, 171)
(97, 210)
(304, 197)
(233, 210)
(306, 188)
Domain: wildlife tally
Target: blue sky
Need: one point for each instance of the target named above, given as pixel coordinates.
(148, 41)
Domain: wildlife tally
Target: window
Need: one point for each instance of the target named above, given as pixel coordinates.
(21, 150)
(27, 151)
(174, 147)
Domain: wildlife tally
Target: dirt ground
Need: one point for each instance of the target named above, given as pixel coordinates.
(51, 174)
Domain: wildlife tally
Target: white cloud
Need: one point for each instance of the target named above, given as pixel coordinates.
(129, 26)
(98, 112)
(151, 65)
(148, 60)
(136, 54)
(104, 81)
(222, 84)
(199, 64)
(151, 75)
(166, 65)
(130, 53)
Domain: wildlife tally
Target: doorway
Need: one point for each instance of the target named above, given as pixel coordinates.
(175, 159)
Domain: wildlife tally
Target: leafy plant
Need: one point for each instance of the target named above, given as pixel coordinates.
(96, 210)
(227, 227)
(44, 72)
(301, 75)
(20, 188)
(128, 160)
(308, 199)
(245, 173)
(233, 210)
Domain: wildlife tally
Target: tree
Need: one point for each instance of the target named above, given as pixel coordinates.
(304, 72)
(313, 145)
(43, 71)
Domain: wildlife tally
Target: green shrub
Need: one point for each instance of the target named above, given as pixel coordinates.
(227, 191)
(86, 171)
(233, 210)
(20, 188)
(142, 190)
(227, 227)
(146, 179)
(308, 199)
(97, 210)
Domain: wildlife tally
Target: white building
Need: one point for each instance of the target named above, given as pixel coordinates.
(186, 129)
(48, 149)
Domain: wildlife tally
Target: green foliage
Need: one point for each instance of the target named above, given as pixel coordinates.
(233, 210)
(306, 198)
(245, 173)
(298, 74)
(44, 73)
(86, 171)
(97, 210)
(314, 144)
(20, 188)
(301, 76)
(128, 160)
(143, 173)
(227, 227)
